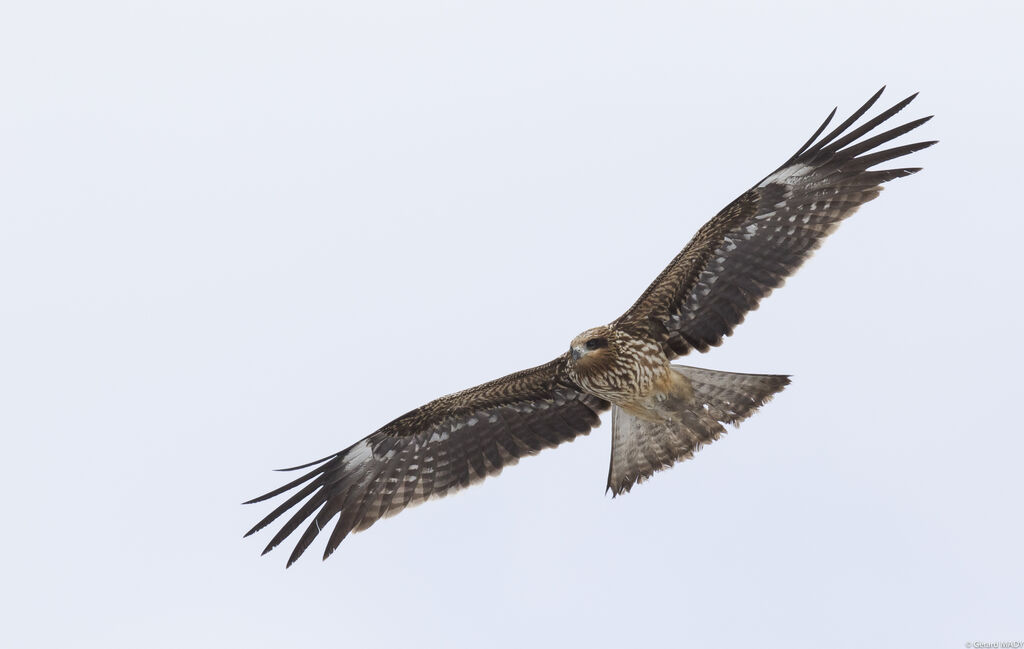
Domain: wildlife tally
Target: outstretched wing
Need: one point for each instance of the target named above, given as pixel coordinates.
(437, 449)
(762, 237)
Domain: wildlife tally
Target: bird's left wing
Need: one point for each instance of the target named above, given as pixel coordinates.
(762, 237)
(437, 449)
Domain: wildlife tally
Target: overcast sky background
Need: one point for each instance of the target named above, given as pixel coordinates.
(236, 236)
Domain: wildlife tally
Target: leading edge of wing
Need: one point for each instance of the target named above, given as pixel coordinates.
(434, 450)
(725, 269)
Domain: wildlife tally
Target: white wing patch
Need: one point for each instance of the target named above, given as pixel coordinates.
(788, 175)
(358, 455)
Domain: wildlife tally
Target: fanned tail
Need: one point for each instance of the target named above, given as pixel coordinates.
(640, 446)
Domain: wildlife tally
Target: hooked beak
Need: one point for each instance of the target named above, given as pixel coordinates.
(576, 353)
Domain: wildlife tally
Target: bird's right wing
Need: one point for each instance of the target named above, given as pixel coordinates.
(437, 449)
(761, 238)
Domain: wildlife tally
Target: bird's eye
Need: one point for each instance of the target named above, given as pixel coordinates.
(595, 343)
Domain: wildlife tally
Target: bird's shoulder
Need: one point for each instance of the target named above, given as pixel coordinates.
(547, 383)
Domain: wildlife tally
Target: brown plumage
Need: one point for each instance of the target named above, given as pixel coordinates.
(662, 413)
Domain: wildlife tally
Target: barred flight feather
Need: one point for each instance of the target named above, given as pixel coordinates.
(756, 242)
(662, 413)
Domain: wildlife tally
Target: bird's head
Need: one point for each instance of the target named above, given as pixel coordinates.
(593, 348)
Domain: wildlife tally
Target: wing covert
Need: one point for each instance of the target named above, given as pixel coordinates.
(436, 449)
(761, 238)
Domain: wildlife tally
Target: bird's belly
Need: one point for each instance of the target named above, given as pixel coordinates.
(667, 395)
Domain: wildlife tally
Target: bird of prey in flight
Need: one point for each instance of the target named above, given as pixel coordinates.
(661, 413)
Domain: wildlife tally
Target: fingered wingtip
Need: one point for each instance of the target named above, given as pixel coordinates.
(917, 146)
(309, 464)
(256, 528)
(910, 98)
(259, 499)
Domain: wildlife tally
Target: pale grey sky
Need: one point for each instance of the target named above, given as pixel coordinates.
(236, 236)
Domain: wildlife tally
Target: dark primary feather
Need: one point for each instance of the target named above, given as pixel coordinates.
(732, 262)
(437, 449)
(756, 242)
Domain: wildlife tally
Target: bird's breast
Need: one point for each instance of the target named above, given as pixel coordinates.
(630, 374)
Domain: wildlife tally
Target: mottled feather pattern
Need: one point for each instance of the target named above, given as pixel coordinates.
(731, 397)
(765, 235)
(641, 447)
(663, 413)
(632, 365)
(437, 449)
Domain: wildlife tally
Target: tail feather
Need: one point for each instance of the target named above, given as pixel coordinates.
(641, 447)
(730, 397)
